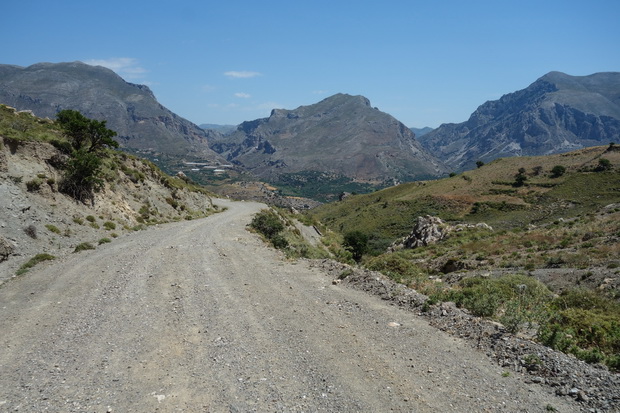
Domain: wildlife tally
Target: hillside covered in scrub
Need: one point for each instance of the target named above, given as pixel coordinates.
(545, 263)
(42, 219)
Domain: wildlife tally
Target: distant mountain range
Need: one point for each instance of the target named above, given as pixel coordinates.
(337, 141)
(421, 131)
(557, 113)
(224, 129)
(131, 110)
(341, 135)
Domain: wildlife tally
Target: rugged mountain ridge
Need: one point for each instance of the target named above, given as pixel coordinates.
(131, 110)
(557, 113)
(340, 135)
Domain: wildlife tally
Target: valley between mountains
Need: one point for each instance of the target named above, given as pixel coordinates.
(201, 316)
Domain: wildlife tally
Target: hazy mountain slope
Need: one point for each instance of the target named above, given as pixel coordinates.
(419, 132)
(224, 129)
(555, 114)
(131, 110)
(341, 135)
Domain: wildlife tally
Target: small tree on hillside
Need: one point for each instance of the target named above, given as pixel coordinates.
(603, 165)
(356, 242)
(88, 138)
(557, 171)
(84, 133)
(82, 175)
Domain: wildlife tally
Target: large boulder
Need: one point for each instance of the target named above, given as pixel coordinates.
(6, 249)
(427, 230)
(430, 230)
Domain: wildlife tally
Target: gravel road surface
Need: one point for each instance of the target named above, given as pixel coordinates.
(201, 316)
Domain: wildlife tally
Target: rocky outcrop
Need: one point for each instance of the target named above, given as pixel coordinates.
(557, 113)
(430, 230)
(427, 230)
(6, 249)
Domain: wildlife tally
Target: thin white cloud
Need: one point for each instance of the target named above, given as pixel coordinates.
(208, 88)
(319, 92)
(127, 67)
(243, 95)
(241, 74)
(269, 106)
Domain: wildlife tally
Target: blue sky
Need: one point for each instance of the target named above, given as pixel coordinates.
(224, 62)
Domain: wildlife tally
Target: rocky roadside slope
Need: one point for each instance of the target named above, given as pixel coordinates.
(594, 387)
(35, 218)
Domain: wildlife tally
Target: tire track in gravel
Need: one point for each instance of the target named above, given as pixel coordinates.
(201, 316)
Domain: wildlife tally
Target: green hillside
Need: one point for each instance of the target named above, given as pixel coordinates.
(549, 265)
(488, 194)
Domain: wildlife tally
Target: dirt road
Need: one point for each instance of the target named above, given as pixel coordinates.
(201, 316)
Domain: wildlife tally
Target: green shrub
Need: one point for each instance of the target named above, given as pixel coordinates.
(78, 220)
(517, 298)
(34, 261)
(396, 267)
(603, 165)
(91, 218)
(53, 228)
(279, 242)
(558, 171)
(172, 202)
(104, 241)
(145, 211)
(267, 223)
(356, 242)
(109, 225)
(33, 185)
(586, 324)
(82, 175)
(84, 246)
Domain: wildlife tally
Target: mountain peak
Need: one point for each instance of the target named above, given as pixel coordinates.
(342, 136)
(99, 93)
(344, 98)
(557, 113)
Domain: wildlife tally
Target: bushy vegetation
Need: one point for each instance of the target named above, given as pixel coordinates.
(513, 300)
(89, 139)
(278, 226)
(52, 228)
(320, 185)
(557, 171)
(490, 195)
(34, 261)
(356, 242)
(269, 224)
(586, 324)
(547, 212)
(84, 246)
(109, 225)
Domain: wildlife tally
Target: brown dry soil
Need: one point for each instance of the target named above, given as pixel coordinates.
(201, 316)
